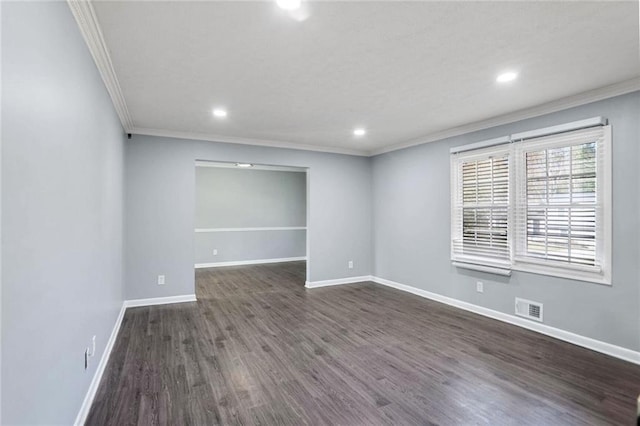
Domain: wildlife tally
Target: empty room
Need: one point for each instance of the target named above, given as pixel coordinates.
(314, 212)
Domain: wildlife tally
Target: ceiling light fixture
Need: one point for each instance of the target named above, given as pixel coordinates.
(244, 165)
(507, 77)
(359, 132)
(220, 113)
(289, 4)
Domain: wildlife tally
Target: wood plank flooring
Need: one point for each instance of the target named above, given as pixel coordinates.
(257, 348)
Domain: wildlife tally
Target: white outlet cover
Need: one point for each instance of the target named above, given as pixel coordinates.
(479, 287)
(160, 279)
(351, 264)
(215, 252)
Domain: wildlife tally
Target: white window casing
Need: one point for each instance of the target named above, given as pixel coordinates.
(562, 211)
(540, 204)
(481, 207)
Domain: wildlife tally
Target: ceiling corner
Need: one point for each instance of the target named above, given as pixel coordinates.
(601, 93)
(85, 16)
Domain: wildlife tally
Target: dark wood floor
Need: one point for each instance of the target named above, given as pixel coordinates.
(257, 348)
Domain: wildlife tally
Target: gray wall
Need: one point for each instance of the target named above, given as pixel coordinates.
(249, 245)
(241, 198)
(238, 198)
(62, 203)
(62, 167)
(411, 202)
(160, 210)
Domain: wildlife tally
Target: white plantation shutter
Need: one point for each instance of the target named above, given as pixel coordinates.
(539, 204)
(561, 198)
(480, 207)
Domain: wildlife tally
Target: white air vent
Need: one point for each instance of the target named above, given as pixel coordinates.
(528, 309)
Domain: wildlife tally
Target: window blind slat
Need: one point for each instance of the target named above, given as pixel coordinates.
(539, 201)
(481, 207)
(557, 209)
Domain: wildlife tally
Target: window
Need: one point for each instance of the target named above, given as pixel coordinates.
(535, 204)
(481, 208)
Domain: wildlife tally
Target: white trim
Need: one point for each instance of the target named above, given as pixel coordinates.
(87, 21)
(549, 138)
(89, 27)
(570, 272)
(339, 281)
(81, 418)
(576, 339)
(254, 166)
(554, 136)
(490, 257)
(529, 134)
(607, 214)
(249, 262)
(308, 222)
(594, 95)
(134, 303)
(560, 128)
(482, 268)
(590, 96)
(245, 141)
(482, 144)
(268, 228)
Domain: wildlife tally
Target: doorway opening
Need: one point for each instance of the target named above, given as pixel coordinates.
(251, 226)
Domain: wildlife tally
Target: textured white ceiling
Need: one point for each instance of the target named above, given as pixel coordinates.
(403, 70)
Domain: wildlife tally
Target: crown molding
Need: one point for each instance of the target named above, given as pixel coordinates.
(89, 27)
(244, 141)
(594, 95)
(87, 21)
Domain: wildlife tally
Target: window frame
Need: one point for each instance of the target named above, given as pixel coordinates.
(457, 221)
(516, 150)
(601, 275)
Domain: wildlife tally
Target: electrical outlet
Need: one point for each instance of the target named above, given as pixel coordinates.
(479, 287)
(215, 252)
(351, 264)
(93, 345)
(160, 279)
(86, 358)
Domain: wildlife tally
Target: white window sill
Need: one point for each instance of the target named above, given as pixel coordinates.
(482, 268)
(592, 277)
(536, 269)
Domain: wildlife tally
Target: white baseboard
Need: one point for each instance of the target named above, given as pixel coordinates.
(81, 418)
(339, 281)
(249, 262)
(576, 339)
(159, 300)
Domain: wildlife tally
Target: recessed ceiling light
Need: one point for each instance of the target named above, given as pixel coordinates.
(289, 4)
(507, 77)
(244, 165)
(359, 132)
(219, 112)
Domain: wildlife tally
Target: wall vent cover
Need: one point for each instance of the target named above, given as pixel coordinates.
(528, 309)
